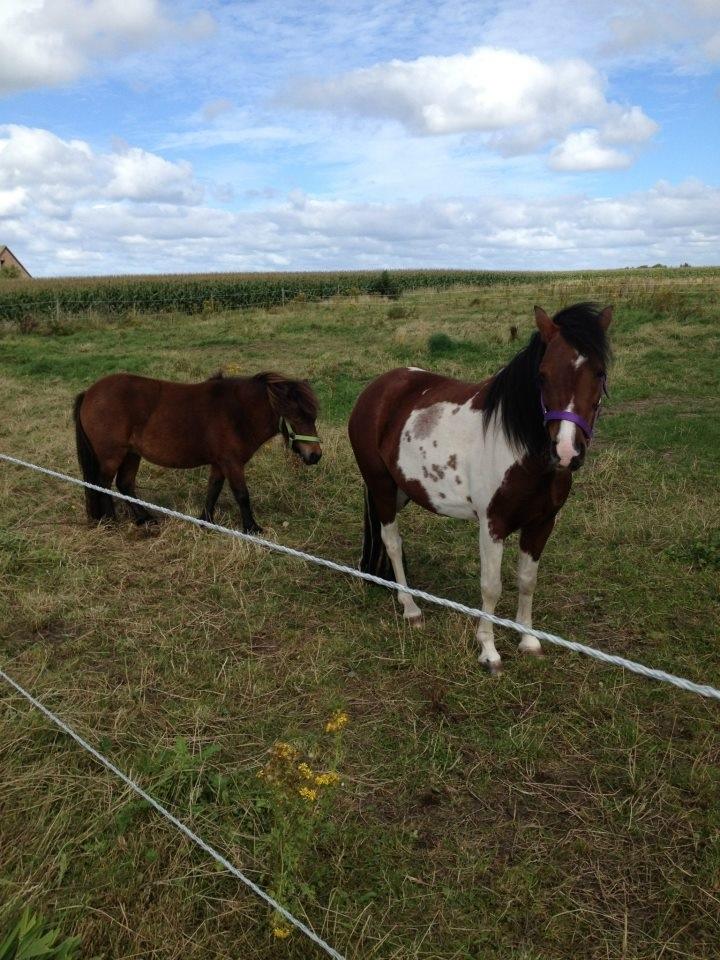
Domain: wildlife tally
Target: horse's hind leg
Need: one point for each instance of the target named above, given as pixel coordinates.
(105, 479)
(125, 481)
(381, 506)
(216, 481)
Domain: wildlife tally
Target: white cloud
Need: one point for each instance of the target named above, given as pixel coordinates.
(518, 102)
(53, 42)
(57, 174)
(583, 151)
(685, 31)
(65, 208)
(139, 175)
(12, 202)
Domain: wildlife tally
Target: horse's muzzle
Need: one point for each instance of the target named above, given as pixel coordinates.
(575, 464)
(308, 453)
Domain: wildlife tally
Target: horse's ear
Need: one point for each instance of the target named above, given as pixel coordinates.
(547, 327)
(606, 317)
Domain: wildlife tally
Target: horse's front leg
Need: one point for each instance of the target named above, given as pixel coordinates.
(491, 551)
(236, 478)
(532, 542)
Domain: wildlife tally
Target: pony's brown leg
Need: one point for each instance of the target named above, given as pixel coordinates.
(216, 481)
(107, 470)
(125, 481)
(236, 477)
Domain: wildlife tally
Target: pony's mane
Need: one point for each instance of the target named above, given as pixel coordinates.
(514, 392)
(284, 393)
(580, 326)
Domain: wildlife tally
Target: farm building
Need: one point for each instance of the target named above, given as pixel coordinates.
(8, 261)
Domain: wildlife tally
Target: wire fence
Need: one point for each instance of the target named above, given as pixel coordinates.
(651, 673)
(704, 690)
(178, 824)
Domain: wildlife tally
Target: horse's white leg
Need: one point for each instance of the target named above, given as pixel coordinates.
(527, 578)
(491, 552)
(393, 544)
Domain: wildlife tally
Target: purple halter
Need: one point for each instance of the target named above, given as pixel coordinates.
(570, 416)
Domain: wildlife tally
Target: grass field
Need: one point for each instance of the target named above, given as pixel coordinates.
(564, 810)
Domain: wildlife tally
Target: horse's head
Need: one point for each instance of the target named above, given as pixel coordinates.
(573, 377)
(296, 407)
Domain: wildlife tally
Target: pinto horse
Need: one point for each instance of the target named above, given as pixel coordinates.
(501, 452)
(221, 422)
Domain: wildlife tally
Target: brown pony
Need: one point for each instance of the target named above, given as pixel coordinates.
(221, 422)
(500, 452)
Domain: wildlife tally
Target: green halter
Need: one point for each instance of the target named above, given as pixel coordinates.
(292, 436)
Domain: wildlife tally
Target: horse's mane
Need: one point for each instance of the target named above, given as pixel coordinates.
(283, 392)
(514, 393)
(286, 394)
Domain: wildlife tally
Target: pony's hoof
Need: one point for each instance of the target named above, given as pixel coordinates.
(493, 667)
(536, 652)
(416, 621)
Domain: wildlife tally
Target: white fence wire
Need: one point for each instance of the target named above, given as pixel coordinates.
(704, 690)
(191, 835)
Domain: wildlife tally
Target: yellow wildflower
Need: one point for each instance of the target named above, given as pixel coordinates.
(305, 771)
(281, 933)
(284, 751)
(336, 722)
(307, 793)
(327, 779)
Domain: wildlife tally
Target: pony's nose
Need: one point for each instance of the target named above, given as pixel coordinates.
(312, 458)
(578, 460)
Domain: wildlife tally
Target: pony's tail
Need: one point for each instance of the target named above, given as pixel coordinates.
(99, 506)
(374, 557)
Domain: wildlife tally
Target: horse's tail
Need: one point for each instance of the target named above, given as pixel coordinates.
(98, 505)
(374, 557)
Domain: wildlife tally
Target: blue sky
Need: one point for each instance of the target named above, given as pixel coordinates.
(171, 137)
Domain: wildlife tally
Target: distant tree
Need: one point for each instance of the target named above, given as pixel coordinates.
(9, 273)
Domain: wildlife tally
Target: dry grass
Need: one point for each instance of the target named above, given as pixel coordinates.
(563, 811)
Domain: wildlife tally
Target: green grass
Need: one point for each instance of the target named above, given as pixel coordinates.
(563, 810)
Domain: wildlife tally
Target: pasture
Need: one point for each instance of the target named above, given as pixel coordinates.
(562, 810)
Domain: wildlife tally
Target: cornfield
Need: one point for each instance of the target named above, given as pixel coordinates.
(27, 300)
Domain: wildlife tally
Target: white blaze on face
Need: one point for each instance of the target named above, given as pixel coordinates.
(565, 443)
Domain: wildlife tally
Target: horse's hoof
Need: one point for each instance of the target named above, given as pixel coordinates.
(493, 667)
(147, 522)
(536, 652)
(416, 621)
